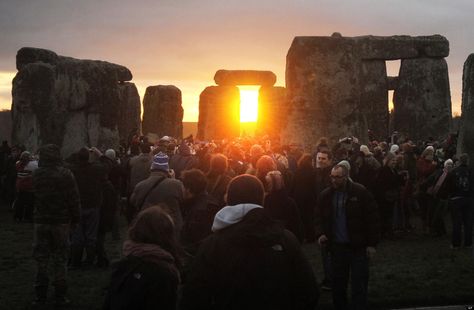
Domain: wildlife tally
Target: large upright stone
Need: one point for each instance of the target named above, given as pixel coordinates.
(244, 77)
(272, 110)
(66, 101)
(323, 91)
(422, 100)
(129, 111)
(163, 111)
(466, 126)
(219, 113)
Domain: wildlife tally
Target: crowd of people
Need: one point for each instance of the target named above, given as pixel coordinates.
(221, 224)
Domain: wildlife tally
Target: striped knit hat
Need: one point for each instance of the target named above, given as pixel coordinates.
(160, 162)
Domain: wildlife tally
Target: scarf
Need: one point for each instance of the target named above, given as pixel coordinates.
(152, 253)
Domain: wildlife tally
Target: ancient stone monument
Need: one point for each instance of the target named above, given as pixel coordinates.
(338, 86)
(219, 106)
(162, 111)
(71, 102)
(466, 127)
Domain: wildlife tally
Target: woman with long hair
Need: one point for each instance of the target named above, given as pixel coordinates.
(148, 275)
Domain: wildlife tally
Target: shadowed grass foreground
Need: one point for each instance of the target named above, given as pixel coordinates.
(413, 270)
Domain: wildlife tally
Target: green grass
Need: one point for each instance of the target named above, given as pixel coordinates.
(413, 270)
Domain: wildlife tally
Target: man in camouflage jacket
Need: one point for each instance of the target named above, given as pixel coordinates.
(57, 208)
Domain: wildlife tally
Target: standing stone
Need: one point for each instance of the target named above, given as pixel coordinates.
(323, 91)
(163, 111)
(272, 110)
(422, 100)
(5, 125)
(129, 111)
(466, 126)
(66, 101)
(374, 97)
(219, 113)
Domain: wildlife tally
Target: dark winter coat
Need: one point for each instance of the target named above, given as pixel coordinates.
(361, 215)
(89, 178)
(56, 194)
(198, 215)
(280, 207)
(139, 284)
(460, 182)
(253, 264)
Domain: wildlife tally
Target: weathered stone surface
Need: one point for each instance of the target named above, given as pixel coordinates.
(66, 101)
(129, 111)
(422, 100)
(5, 125)
(374, 96)
(219, 113)
(272, 110)
(337, 86)
(244, 77)
(323, 91)
(162, 111)
(466, 126)
(402, 47)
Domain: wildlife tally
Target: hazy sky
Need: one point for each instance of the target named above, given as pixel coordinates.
(184, 42)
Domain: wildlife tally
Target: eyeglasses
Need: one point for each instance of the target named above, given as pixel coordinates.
(337, 177)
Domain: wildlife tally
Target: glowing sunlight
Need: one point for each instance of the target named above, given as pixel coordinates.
(248, 103)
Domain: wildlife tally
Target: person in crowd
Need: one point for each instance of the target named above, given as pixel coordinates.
(302, 191)
(322, 181)
(57, 211)
(183, 160)
(279, 206)
(139, 170)
(218, 178)
(367, 167)
(435, 186)
(147, 277)
(199, 209)
(24, 202)
(160, 187)
(250, 261)
(90, 178)
(347, 223)
(256, 151)
(407, 199)
(387, 192)
(425, 166)
(460, 186)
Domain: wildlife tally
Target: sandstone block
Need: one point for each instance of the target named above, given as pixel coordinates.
(244, 77)
(163, 111)
(466, 127)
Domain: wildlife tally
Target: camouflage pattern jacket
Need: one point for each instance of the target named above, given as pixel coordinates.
(56, 194)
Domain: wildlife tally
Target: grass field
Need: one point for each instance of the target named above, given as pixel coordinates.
(413, 270)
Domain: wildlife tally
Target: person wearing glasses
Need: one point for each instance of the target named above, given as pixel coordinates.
(347, 225)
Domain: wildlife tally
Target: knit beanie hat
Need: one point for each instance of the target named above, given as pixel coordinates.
(448, 162)
(346, 164)
(160, 162)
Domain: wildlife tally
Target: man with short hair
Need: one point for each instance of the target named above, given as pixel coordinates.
(322, 181)
(250, 261)
(199, 209)
(57, 209)
(347, 224)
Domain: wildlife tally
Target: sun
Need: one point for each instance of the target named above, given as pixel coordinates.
(248, 103)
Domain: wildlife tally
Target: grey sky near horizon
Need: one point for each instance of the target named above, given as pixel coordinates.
(185, 42)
